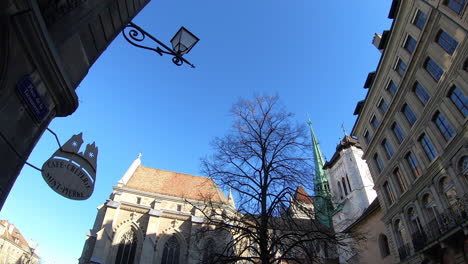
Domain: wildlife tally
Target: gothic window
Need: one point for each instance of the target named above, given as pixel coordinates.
(171, 251)
(341, 191)
(383, 244)
(126, 248)
(344, 186)
(349, 185)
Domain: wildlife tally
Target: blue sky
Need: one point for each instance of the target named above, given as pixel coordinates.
(314, 54)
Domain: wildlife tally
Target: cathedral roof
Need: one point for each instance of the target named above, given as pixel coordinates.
(13, 234)
(302, 196)
(175, 184)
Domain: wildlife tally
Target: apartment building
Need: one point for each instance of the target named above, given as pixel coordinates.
(412, 127)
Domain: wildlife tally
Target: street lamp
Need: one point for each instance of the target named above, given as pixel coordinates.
(182, 42)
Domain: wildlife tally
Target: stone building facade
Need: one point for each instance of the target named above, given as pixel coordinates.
(14, 249)
(153, 216)
(412, 126)
(46, 49)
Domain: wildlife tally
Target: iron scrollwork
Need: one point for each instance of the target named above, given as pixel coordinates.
(136, 36)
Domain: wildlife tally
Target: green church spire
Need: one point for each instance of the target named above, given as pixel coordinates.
(323, 205)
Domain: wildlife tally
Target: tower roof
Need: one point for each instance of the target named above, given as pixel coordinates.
(175, 184)
(319, 161)
(345, 143)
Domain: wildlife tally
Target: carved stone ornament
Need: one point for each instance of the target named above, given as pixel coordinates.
(72, 174)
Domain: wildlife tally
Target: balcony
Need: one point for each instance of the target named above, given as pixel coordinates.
(443, 224)
(404, 251)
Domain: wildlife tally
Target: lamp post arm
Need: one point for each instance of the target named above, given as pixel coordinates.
(134, 35)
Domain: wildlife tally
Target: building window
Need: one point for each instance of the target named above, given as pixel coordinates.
(413, 163)
(430, 208)
(415, 224)
(126, 248)
(179, 208)
(171, 251)
(448, 189)
(378, 162)
(389, 192)
(419, 19)
(410, 44)
(446, 41)
(344, 186)
(400, 67)
(400, 180)
(428, 147)
(443, 126)
(409, 114)
(383, 245)
(459, 99)
(383, 106)
(375, 122)
(433, 69)
(463, 165)
(421, 93)
(341, 190)
(138, 201)
(367, 137)
(400, 233)
(455, 5)
(400, 136)
(388, 148)
(392, 88)
(349, 185)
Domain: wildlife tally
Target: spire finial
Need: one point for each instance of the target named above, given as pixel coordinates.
(344, 130)
(139, 155)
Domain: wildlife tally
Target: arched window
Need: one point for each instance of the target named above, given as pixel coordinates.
(383, 244)
(430, 207)
(414, 221)
(126, 248)
(400, 232)
(463, 166)
(344, 186)
(171, 251)
(448, 189)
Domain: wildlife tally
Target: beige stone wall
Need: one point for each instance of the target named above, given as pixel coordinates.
(369, 251)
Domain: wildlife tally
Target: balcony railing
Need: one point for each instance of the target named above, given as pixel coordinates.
(446, 221)
(404, 251)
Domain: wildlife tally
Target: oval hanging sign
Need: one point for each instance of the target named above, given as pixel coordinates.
(72, 174)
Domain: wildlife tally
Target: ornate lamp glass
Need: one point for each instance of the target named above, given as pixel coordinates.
(183, 41)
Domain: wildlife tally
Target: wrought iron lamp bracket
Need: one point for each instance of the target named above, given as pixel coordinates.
(136, 35)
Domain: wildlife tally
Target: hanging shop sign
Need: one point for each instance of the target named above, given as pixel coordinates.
(72, 174)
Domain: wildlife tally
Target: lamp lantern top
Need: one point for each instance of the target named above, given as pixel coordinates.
(183, 41)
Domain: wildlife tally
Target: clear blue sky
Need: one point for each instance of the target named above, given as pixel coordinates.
(314, 54)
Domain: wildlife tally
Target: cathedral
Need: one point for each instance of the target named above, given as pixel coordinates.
(153, 216)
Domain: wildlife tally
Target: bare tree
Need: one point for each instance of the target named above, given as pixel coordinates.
(263, 159)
